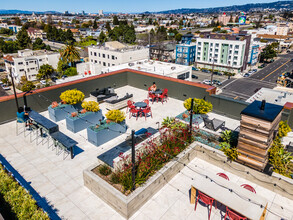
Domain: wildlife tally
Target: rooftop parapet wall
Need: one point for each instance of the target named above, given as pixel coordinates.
(178, 89)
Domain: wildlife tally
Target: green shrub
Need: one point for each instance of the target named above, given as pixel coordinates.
(91, 106)
(168, 122)
(105, 170)
(115, 115)
(284, 129)
(200, 106)
(72, 96)
(71, 71)
(229, 151)
(20, 201)
(115, 178)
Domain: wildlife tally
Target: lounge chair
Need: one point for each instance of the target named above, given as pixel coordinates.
(214, 124)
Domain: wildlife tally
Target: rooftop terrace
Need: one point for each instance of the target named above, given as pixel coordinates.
(60, 181)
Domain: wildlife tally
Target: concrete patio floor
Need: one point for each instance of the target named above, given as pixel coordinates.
(60, 182)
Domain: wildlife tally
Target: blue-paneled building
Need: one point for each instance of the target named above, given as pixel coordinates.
(254, 52)
(185, 51)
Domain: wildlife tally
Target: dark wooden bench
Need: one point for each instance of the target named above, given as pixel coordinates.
(64, 142)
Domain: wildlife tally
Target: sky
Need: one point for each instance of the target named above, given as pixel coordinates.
(125, 6)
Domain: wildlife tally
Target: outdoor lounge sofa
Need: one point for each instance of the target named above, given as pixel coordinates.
(102, 94)
(214, 124)
(116, 102)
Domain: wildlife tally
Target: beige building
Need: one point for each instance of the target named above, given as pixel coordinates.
(28, 62)
(282, 29)
(225, 19)
(115, 53)
(35, 33)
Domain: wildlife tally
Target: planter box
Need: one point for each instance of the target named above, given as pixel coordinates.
(82, 121)
(128, 205)
(61, 112)
(102, 136)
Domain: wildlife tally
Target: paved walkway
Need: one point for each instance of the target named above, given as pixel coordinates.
(60, 181)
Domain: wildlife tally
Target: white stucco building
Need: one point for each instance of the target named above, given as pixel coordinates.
(28, 62)
(115, 53)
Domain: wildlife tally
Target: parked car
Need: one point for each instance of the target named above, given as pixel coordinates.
(288, 51)
(217, 82)
(195, 69)
(5, 87)
(206, 81)
(64, 76)
(254, 70)
(263, 65)
(194, 76)
(43, 82)
(218, 73)
(206, 71)
(246, 75)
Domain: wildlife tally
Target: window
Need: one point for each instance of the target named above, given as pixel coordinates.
(108, 56)
(96, 61)
(237, 47)
(231, 45)
(21, 70)
(32, 68)
(104, 63)
(217, 45)
(216, 50)
(131, 58)
(20, 63)
(31, 61)
(95, 54)
(199, 43)
(91, 53)
(113, 64)
(104, 55)
(236, 52)
(234, 63)
(99, 55)
(40, 60)
(99, 62)
(113, 57)
(26, 63)
(92, 61)
(108, 63)
(212, 44)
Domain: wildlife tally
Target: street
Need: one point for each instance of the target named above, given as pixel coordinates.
(243, 88)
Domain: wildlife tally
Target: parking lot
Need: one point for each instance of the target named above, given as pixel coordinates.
(207, 76)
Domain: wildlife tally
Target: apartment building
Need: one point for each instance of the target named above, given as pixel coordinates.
(282, 29)
(35, 33)
(28, 62)
(226, 52)
(14, 28)
(185, 52)
(254, 52)
(115, 53)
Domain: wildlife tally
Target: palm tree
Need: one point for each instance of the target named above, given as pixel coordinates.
(70, 54)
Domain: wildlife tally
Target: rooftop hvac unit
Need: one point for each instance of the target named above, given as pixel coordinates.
(173, 68)
(130, 64)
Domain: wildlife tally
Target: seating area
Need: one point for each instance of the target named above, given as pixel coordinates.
(116, 102)
(102, 94)
(60, 180)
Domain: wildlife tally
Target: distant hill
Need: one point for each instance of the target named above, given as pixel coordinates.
(10, 12)
(288, 5)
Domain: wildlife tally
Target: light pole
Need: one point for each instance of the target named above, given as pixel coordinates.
(212, 70)
(14, 91)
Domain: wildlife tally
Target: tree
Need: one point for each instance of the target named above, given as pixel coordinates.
(17, 21)
(23, 40)
(108, 27)
(45, 71)
(71, 71)
(28, 86)
(115, 20)
(102, 37)
(70, 54)
(8, 46)
(268, 52)
(6, 31)
(62, 66)
(178, 37)
(200, 106)
(40, 45)
(95, 26)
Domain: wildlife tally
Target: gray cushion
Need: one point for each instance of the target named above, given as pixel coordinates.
(111, 90)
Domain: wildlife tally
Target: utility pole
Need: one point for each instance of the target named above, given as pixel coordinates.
(133, 159)
(14, 91)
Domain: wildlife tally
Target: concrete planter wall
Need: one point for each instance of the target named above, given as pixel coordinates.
(100, 137)
(60, 113)
(128, 205)
(82, 121)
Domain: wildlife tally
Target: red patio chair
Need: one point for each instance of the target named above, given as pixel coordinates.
(146, 101)
(134, 112)
(163, 97)
(152, 96)
(206, 200)
(248, 187)
(130, 105)
(223, 175)
(233, 215)
(166, 93)
(149, 91)
(146, 111)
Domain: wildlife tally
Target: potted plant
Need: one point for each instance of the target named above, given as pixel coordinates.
(89, 115)
(70, 102)
(108, 129)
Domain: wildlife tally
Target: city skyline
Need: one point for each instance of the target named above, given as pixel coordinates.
(126, 6)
